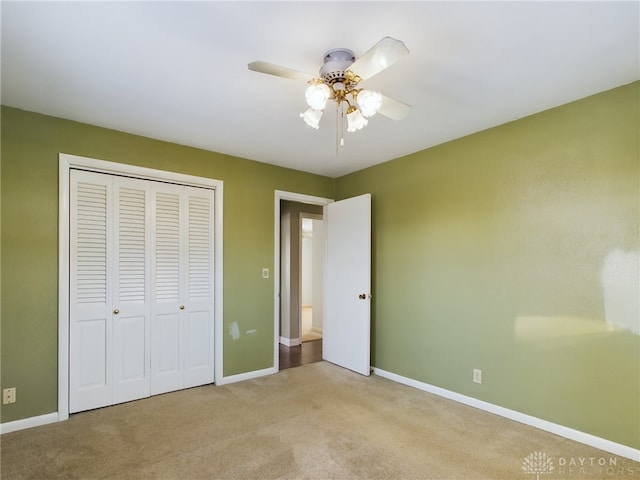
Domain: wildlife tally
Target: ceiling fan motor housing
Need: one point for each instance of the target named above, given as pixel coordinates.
(336, 62)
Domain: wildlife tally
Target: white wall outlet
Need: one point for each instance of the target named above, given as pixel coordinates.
(477, 375)
(265, 273)
(8, 395)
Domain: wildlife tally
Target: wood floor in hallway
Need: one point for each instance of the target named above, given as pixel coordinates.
(307, 352)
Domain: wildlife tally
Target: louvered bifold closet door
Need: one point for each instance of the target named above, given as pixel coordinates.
(109, 298)
(91, 292)
(182, 283)
(199, 290)
(168, 280)
(131, 295)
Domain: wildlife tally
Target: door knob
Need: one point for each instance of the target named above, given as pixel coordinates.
(181, 307)
(116, 311)
(362, 296)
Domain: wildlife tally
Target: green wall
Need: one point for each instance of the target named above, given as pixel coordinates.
(514, 250)
(29, 188)
(508, 250)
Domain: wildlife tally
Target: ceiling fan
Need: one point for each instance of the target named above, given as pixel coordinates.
(339, 80)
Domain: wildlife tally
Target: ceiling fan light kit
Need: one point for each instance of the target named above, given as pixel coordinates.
(317, 95)
(338, 80)
(369, 102)
(312, 117)
(355, 120)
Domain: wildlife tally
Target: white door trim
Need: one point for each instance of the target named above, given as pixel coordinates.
(293, 197)
(66, 163)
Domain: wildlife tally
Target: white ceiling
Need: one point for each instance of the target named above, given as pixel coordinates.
(177, 71)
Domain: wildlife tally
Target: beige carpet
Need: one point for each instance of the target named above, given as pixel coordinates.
(313, 422)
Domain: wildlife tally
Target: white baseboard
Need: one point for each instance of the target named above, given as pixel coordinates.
(247, 376)
(560, 430)
(28, 422)
(290, 342)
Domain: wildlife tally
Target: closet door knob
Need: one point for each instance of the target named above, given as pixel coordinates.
(116, 311)
(181, 307)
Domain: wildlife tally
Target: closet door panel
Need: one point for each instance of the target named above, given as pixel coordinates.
(90, 296)
(131, 298)
(130, 364)
(167, 266)
(92, 353)
(166, 349)
(199, 349)
(199, 290)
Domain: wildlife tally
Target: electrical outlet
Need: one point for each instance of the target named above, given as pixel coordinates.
(8, 395)
(265, 273)
(477, 375)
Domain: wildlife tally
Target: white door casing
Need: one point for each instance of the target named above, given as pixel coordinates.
(347, 293)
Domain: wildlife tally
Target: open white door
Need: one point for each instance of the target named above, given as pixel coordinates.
(347, 299)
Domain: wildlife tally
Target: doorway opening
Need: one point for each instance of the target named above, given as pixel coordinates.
(346, 322)
(298, 277)
(312, 249)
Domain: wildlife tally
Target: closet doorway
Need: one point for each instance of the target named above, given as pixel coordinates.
(140, 283)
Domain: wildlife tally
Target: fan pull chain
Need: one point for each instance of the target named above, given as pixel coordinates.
(342, 124)
(339, 127)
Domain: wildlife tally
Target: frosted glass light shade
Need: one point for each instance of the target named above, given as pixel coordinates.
(312, 117)
(317, 96)
(355, 121)
(369, 102)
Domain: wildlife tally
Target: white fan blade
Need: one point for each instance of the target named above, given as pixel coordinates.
(278, 71)
(394, 109)
(383, 54)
